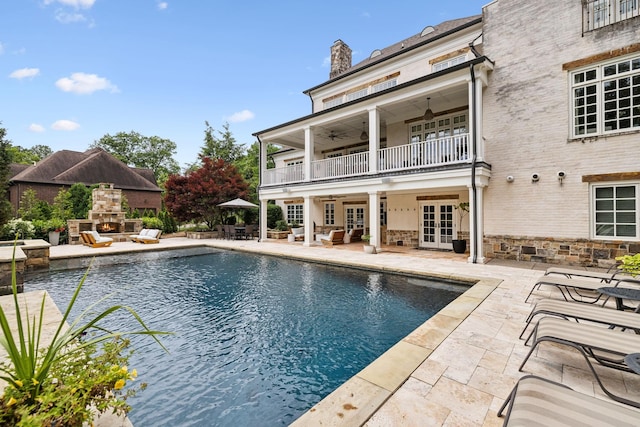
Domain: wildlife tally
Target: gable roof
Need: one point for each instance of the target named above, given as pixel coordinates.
(93, 166)
(441, 30)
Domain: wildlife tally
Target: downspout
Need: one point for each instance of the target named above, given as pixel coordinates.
(473, 165)
(260, 185)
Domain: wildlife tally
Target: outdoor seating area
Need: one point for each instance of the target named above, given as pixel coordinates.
(606, 336)
(237, 232)
(94, 240)
(335, 237)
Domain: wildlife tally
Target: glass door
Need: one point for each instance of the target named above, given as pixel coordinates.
(354, 217)
(436, 224)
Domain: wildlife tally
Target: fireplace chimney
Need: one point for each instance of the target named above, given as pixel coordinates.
(340, 58)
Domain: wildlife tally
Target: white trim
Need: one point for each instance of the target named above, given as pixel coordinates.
(592, 210)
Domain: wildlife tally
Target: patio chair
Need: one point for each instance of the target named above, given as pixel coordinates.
(606, 346)
(94, 240)
(143, 232)
(355, 235)
(569, 273)
(220, 230)
(248, 232)
(298, 233)
(152, 236)
(541, 402)
(576, 289)
(335, 237)
(577, 311)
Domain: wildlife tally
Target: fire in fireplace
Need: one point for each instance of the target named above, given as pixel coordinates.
(108, 227)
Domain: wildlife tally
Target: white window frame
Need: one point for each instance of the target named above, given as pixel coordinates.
(329, 213)
(601, 104)
(388, 84)
(295, 213)
(358, 94)
(448, 63)
(334, 102)
(621, 209)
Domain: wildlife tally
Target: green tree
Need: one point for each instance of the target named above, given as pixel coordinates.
(141, 151)
(249, 167)
(5, 163)
(62, 207)
(80, 200)
(223, 146)
(28, 156)
(32, 208)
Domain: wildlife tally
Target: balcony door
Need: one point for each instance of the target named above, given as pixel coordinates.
(436, 224)
(355, 216)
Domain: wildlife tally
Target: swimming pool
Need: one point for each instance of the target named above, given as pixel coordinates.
(259, 340)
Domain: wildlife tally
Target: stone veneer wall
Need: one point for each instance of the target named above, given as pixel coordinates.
(577, 252)
(408, 238)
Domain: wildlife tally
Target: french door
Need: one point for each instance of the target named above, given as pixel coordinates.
(355, 216)
(436, 224)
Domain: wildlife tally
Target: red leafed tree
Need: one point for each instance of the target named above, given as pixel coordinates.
(196, 196)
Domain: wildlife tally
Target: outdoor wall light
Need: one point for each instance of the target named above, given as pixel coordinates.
(535, 177)
(510, 178)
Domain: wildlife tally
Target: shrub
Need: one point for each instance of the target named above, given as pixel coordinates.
(630, 264)
(282, 225)
(274, 214)
(17, 228)
(152, 222)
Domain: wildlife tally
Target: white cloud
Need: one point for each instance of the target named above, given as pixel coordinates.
(66, 125)
(326, 62)
(78, 4)
(34, 127)
(69, 18)
(366, 14)
(85, 84)
(163, 5)
(1, 49)
(24, 73)
(241, 116)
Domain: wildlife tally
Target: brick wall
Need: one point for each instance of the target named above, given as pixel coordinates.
(526, 130)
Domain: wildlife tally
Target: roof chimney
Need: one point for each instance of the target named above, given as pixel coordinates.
(340, 58)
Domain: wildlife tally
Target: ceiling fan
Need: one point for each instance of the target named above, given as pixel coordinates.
(333, 135)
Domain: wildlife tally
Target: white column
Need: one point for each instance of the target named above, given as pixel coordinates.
(374, 219)
(476, 227)
(475, 126)
(374, 139)
(307, 218)
(309, 144)
(263, 221)
(262, 166)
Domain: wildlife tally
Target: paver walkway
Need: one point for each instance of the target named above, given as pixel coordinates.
(457, 368)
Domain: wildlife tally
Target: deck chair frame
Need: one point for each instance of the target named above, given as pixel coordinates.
(89, 240)
(584, 291)
(592, 342)
(546, 402)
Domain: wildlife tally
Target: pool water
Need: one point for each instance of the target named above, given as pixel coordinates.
(258, 340)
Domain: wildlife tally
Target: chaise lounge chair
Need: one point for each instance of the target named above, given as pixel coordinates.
(577, 311)
(336, 237)
(576, 289)
(604, 277)
(541, 402)
(606, 346)
(93, 239)
(151, 235)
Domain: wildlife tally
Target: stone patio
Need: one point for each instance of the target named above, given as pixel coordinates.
(454, 370)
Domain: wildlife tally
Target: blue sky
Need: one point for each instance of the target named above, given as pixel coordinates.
(72, 71)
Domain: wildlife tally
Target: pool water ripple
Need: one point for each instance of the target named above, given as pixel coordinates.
(258, 340)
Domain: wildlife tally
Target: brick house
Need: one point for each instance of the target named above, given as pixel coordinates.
(65, 168)
(529, 112)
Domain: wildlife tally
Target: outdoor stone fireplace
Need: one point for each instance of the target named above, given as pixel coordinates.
(105, 217)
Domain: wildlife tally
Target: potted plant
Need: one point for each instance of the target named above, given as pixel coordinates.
(460, 245)
(370, 249)
(55, 227)
(630, 264)
(68, 382)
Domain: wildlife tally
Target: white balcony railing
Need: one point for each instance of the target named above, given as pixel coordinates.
(335, 167)
(294, 173)
(437, 152)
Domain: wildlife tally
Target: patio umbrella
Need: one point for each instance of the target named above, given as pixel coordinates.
(237, 203)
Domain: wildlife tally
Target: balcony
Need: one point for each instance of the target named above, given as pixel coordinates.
(437, 152)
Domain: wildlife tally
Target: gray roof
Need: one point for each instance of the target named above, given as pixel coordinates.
(408, 44)
(93, 166)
